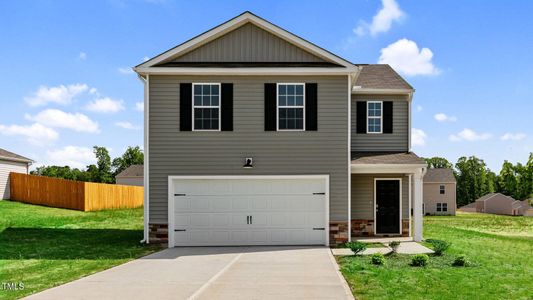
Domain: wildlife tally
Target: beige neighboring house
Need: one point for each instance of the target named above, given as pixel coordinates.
(133, 175)
(11, 162)
(500, 204)
(471, 207)
(439, 192)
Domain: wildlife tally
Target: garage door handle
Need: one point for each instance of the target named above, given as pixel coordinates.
(319, 228)
(247, 219)
(319, 193)
(177, 195)
(180, 229)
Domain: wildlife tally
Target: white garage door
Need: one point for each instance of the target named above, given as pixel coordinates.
(248, 211)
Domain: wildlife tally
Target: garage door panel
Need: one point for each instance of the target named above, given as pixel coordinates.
(215, 212)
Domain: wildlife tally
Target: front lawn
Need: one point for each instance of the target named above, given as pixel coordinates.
(500, 248)
(43, 247)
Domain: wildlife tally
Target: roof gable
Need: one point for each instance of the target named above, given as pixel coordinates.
(185, 51)
(6, 155)
(248, 43)
(439, 175)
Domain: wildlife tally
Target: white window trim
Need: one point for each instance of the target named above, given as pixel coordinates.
(373, 117)
(375, 201)
(298, 106)
(219, 105)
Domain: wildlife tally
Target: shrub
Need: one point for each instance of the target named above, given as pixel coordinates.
(419, 260)
(439, 246)
(394, 246)
(356, 247)
(378, 259)
(461, 261)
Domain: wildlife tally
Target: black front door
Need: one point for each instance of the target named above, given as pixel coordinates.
(387, 206)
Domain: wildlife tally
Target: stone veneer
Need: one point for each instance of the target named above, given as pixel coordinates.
(158, 233)
(338, 232)
(365, 227)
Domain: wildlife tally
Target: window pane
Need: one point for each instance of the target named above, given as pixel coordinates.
(290, 100)
(206, 89)
(290, 90)
(282, 100)
(214, 90)
(283, 113)
(299, 100)
(197, 89)
(214, 100)
(283, 90)
(299, 90)
(206, 118)
(197, 100)
(299, 113)
(290, 118)
(299, 124)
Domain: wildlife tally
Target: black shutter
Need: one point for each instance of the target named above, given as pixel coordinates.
(270, 107)
(361, 117)
(186, 106)
(226, 106)
(311, 114)
(387, 116)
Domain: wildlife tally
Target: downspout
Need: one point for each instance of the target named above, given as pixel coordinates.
(146, 204)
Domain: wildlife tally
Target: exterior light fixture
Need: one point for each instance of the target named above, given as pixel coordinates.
(248, 163)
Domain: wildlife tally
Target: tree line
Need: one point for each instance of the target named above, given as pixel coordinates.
(104, 171)
(475, 179)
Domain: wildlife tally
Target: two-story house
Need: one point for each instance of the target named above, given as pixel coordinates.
(255, 136)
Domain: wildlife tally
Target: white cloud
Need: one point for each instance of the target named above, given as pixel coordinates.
(382, 21)
(127, 125)
(73, 156)
(105, 105)
(418, 137)
(469, 135)
(126, 71)
(82, 56)
(36, 134)
(139, 106)
(441, 117)
(513, 136)
(57, 94)
(419, 108)
(60, 119)
(405, 57)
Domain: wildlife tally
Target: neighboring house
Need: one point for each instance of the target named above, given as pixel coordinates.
(471, 207)
(132, 175)
(255, 136)
(499, 204)
(11, 162)
(440, 192)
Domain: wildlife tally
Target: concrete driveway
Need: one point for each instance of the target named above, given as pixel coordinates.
(215, 273)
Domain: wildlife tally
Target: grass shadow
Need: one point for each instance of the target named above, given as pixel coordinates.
(68, 244)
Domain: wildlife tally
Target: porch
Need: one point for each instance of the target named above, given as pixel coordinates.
(386, 196)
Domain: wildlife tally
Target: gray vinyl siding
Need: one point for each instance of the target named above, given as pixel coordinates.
(398, 140)
(248, 43)
(172, 152)
(363, 195)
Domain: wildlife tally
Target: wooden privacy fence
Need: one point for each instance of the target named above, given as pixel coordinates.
(84, 196)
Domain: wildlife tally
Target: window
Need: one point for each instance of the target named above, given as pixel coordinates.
(442, 206)
(442, 190)
(291, 106)
(374, 117)
(206, 106)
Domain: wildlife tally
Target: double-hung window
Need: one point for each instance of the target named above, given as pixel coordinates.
(291, 106)
(206, 106)
(439, 206)
(442, 207)
(442, 189)
(375, 117)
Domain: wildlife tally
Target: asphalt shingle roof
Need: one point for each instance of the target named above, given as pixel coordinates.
(132, 171)
(6, 155)
(380, 77)
(386, 158)
(439, 175)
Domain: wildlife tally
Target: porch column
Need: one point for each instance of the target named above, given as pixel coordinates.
(418, 216)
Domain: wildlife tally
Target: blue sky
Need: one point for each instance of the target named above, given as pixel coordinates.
(66, 82)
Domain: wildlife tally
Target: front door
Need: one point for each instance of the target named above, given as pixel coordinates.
(387, 206)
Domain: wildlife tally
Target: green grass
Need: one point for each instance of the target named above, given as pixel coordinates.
(44, 247)
(500, 248)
